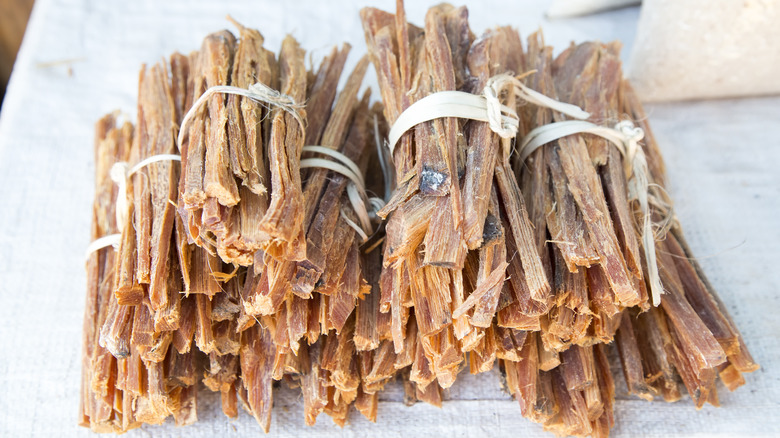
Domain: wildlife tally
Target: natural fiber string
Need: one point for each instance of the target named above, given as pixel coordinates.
(102, 242)
(504, 121)
(261, 93)
(486, 107)
(120, 173)
(626, 137)
(258, 93)
(356, 189)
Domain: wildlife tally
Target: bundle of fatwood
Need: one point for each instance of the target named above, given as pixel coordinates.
(543, 274)
(242, 265)
(234, 268)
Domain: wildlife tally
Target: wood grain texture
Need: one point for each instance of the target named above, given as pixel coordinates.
(720, 156)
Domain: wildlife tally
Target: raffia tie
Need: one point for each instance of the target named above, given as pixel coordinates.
(356, 188)
(120, 171)
(485, 107)
(258, 93)
(626, 137)
(504, 121)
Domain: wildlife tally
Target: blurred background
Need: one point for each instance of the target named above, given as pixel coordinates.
(13, 21)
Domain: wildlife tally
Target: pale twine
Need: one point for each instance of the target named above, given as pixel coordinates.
(259, 93)
(486, 107)
(504, 121)
(120, 173)
(626, 137)
(356, 189)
